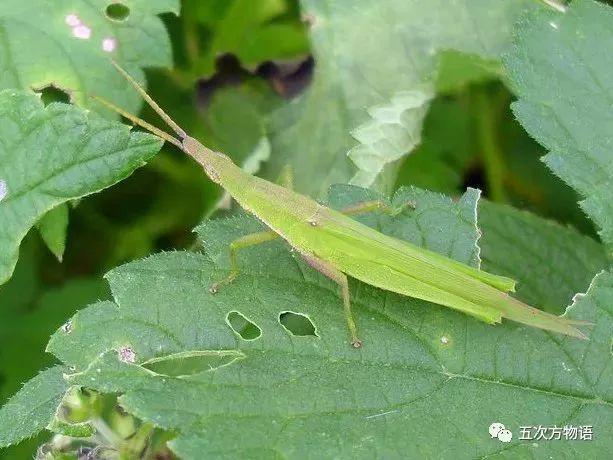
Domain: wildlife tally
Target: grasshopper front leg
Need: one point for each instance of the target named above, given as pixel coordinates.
(320, 265)
(251, 239)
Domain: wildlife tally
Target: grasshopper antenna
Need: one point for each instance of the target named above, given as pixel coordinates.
(169, 121)
(140, 122)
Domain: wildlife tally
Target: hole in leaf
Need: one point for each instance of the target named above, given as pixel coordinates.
(117, 11)
(297, 324)
(242, 326)
(50, 94)
(192, 362)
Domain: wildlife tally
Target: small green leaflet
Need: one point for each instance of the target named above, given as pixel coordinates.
(424, 371)
(53, 227)
(30, 410)
(561, 67)
(54, 154)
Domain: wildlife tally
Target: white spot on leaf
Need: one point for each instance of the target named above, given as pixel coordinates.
(4, 189)
(553, 24)
(127, 355)
(73, 20)
(444, 340)
(109, 44)
(67, 327)
(82, 31)
(556, 6)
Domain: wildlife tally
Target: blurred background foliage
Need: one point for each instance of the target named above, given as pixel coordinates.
(236, 61)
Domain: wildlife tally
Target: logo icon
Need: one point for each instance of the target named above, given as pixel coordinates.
(498, 430)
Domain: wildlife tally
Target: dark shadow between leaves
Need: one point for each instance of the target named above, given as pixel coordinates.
(51, 93)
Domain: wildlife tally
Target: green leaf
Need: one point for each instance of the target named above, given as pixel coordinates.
(23, 334)
(374, 77)
(254, 31)
(457, 70)
(234, 123)
(425, 372)
(53, 227)
(452, 153)
(551, 262)
(50, 155)
(561, 68)
(40, 47)
(446, 152)
(33, 407)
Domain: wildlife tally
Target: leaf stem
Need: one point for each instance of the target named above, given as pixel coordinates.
(106, 432)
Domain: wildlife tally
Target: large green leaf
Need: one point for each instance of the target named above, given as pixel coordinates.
(50, 155)
(254, 31)
(561, 68)
(459, 146)
(374, 77)
(425, 372)
(551, 261)
(23, 334)
(46, 43)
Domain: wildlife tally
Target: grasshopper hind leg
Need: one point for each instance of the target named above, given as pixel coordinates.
(341, 279)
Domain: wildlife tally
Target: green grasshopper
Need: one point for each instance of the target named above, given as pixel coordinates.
(337, 246)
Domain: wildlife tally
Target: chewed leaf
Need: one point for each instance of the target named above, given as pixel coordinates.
(392, 131)
(571, 114)
(421, 366)
(192, 362)
(67, 154)
(76, 40)
(242, 326)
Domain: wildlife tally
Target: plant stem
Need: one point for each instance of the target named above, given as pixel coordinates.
(106, 432)
(493, 159)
